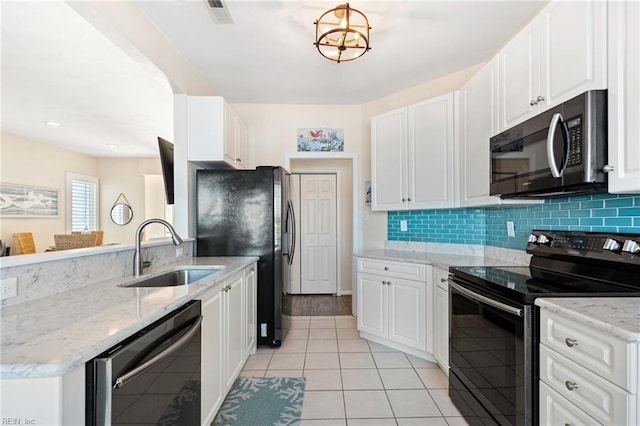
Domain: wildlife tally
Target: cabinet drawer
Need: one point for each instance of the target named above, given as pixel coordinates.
(409, 271)
(557, 410)
(599, 352)
(597, 397)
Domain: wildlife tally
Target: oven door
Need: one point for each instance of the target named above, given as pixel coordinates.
(490, 379)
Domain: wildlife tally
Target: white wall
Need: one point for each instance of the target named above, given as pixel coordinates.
(25, 162)
(345, 221)
(124, 175)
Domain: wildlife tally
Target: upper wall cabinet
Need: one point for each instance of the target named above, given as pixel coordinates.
(216, 133)
(624, 96)
(413, 161)
(478, 122)
(560, 54)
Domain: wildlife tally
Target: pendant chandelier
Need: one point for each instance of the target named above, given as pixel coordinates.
(342, 34)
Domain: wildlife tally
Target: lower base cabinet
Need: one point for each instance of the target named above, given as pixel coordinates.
(394, 305)
(228, 327)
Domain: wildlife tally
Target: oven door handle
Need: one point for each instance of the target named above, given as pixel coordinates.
(483, 299)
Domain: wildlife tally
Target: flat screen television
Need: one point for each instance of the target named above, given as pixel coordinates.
(166, 161)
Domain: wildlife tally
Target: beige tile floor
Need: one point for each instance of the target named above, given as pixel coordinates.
(351, 381)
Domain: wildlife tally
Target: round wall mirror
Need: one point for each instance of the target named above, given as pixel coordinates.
(121, 214)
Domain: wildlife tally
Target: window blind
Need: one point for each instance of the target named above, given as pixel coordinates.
(84, 205)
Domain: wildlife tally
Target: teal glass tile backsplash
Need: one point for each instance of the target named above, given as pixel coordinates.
(487, 226)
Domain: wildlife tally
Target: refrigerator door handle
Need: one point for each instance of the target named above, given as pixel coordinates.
(293, 236)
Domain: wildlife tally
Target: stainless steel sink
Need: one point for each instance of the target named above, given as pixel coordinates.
(177, 277)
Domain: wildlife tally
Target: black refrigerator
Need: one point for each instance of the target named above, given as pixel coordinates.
(249, 213)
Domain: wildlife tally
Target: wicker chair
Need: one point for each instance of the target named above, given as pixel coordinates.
(23, 243)
(72, 241)
(99, 234)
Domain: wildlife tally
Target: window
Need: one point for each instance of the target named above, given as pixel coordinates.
(82, 202)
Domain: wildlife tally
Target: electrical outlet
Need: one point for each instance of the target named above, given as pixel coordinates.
(511, 232)
(403, 226)
(179, 251)
(8, 288)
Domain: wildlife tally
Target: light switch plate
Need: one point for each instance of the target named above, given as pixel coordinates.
(403, 226)
(511, 232)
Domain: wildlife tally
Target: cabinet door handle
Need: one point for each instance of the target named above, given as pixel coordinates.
(238, 159)
(539, 99)
(571, 385)
(384, 283)
(443, 280)
(386, 268)
(388, 282)
(571, 342)
(403, 200)
(608, 168)
(532, 102)
(408, 199)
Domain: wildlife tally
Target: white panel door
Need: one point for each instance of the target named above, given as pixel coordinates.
(430, 154)
(388, 165)
(520, 77)
(372, 304)
(318, 220)
(573, 58)
(407, 312)
(624, 96)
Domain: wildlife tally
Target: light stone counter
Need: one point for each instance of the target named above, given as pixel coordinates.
(439, 260)
(51, 336)
(617, 316)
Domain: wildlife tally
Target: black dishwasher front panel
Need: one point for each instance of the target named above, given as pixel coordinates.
(152, 378)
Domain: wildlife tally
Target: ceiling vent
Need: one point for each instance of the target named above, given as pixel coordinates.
(220, 12)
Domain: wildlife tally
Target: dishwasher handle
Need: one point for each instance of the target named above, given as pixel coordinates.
(127, 377)
(480, 298)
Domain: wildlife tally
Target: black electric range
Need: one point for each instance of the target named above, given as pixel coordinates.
(494, 324)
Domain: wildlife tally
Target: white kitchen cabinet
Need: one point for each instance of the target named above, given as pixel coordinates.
(478, 123)
(215, 133)
(585, 373)
(388, 151)
(413, 156)
(228, 337)
(393, 310)
(624, 96)
(234, 343)
(441, 332)
(211, 364)
(559, 55)
(251, 328)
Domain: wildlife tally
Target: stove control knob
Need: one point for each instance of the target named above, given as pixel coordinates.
(611, 245)
(533, 238)
(631, 246)
(543, 239)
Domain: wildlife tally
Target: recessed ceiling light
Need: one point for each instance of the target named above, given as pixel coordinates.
(52, 124)
(113, 146)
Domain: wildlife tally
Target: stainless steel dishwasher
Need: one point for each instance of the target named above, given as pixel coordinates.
(153, 377)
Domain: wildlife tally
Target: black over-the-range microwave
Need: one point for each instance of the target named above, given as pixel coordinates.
(561, 151)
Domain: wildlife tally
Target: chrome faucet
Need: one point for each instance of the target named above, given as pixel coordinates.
(137, 258)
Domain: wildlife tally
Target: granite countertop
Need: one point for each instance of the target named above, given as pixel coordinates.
(617, 316)
(441, 261)
(51, 336)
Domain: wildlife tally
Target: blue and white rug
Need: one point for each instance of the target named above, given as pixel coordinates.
(263, 401)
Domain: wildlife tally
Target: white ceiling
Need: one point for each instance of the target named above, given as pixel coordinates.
(56, 66)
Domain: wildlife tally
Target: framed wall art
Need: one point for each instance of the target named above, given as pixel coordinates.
(320, 139)
(28, 201)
